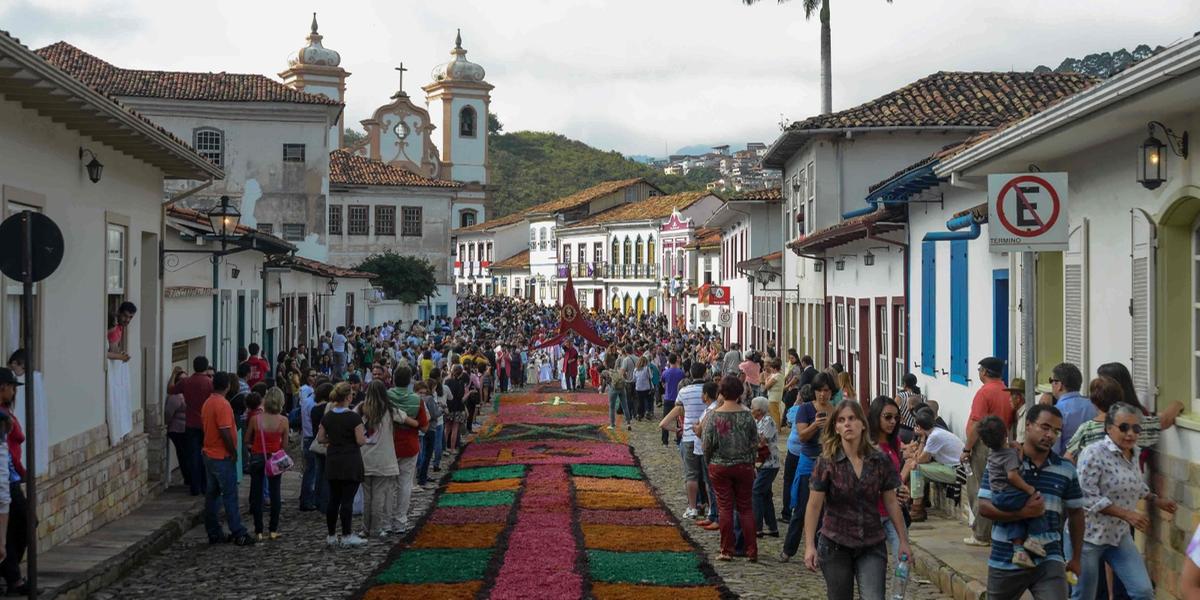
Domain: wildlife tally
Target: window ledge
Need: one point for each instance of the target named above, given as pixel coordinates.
(1188, 420)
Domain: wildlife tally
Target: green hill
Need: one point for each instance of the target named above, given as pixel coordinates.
(530, 167)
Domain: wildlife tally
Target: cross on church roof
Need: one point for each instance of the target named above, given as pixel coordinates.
(401, 69)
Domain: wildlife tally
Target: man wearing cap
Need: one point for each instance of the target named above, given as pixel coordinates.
(993, 399)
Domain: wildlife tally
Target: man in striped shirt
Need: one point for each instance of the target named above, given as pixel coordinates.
(1058, 496)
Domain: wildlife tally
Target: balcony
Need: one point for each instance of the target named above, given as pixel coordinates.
(596, 270)
(472, 268)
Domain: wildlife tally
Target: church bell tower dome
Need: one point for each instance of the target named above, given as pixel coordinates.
(459, 68)
(314, 54)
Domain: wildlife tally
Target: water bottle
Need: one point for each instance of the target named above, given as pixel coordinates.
(900, 581)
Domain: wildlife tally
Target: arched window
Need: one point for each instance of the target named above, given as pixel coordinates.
(616, 303)
(628, 304)
(210, 143)
(467, 122)
(466, 218)
(639, 258)
(542, 239)
(628, 251)
(615, 258)
(650, 257)
(641, 306)
(651, 305)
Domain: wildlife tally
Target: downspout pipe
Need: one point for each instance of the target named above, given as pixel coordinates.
(956, 226)
(872, 206)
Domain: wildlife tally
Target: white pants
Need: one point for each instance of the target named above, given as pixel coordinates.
(379, 502)
(404, 488)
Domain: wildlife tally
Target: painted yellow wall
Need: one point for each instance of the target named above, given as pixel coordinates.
(1049, 288)
(1173, 300)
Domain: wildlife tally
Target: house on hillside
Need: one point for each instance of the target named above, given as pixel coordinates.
(830, 162)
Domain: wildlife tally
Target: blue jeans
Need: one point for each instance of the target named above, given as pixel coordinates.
(893, 538)
(842, 566)
(617, 397)
(222, 492)
(795, 530)
(438, 443)
(195, 441)
(709, 492)
(764, 504)
(1012, 500)
(308, 494)
(1124, 559)
(426, 456)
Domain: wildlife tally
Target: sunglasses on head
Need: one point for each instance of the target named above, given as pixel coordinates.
(1125, 427)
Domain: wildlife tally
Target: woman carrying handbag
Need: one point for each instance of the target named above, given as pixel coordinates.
(267, 436)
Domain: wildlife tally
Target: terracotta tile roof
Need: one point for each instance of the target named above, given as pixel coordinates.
(584, 196)
(319, 268)
(352, 169)
(706, 237)
(215, 87)
(880, 221)
(654, 207)
(519, 260)
(948, 98)
(199, 218)
(768, 195)
(979, 212)
(490, 224)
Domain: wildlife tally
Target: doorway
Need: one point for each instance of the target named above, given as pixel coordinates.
(1000, 317)
(241, 322)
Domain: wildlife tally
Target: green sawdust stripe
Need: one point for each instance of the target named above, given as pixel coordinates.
(478, 498)
(437, 566)
(614, 471)
(487, 473)
(657, 568)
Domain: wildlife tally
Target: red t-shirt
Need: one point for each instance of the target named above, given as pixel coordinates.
(195, 389)
(258, 370)
(991, 399)
(16, 437)
(407, 439)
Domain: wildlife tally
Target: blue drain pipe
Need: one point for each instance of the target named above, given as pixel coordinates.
(955, 226)
(858, 212)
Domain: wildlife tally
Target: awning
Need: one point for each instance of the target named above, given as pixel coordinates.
(880, 221)
(901, 186)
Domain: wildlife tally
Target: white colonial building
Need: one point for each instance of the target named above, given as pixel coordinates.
(750, 231)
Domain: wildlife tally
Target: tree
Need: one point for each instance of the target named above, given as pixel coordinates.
(494, 124)
(810, 6)
(352, 136)
(408, 279)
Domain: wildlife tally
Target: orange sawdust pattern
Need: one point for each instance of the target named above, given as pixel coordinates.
(473, 535)
(494, 485)
(424, 591)
(615, 500)
(625, 591)
(601, 484)
(627, 538)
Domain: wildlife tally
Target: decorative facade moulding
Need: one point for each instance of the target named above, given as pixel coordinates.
(188, 291)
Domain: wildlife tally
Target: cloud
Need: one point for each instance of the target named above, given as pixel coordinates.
(48, 21)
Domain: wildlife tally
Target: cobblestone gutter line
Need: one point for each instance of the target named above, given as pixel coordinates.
(950, 581)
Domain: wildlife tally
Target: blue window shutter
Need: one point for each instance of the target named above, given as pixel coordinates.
(958, 312)
(928, 308)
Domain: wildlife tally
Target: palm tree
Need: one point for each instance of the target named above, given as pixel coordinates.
(810, 6)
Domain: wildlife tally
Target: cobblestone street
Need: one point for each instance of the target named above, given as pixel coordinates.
(297, 566)
(766, 579)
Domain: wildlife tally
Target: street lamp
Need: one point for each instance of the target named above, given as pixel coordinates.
(94, 168)
(1152, 158)
(331, 285)
(224, 219)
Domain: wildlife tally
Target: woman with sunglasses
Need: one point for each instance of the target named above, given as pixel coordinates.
(883, 424)
(1112, 485)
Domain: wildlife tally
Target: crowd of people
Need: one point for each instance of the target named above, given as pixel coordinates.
(1053, 486)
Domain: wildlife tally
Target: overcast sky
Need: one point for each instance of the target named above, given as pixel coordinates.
(637, 76)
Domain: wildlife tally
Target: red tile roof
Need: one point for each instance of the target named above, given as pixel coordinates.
(706, 237)
(880, 221)
(947, 98)
(319, 268)
(519, 260)
(175, 85)
(584, 196)
(353, 169)
(767, 195)
(490, 224)
(654, 207)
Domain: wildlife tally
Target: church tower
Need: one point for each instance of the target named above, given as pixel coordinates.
(315, 69)
(458, 101)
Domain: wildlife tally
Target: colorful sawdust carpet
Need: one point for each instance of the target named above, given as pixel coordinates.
(547, 502)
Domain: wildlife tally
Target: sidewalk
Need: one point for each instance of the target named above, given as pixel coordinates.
(959, 570)
(78, 568)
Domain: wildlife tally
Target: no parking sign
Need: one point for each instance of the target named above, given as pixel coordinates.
(1027, 212)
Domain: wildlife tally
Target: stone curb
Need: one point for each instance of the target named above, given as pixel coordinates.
(80, 586)
(950, 581)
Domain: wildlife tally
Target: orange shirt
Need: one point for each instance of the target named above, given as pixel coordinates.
(216, 415)
(991, 399)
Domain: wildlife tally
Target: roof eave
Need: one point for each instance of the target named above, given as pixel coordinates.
(775, 159)
(1159, 69)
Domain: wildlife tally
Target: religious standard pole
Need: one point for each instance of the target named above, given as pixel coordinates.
(30, 398)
